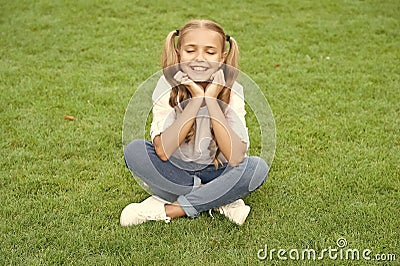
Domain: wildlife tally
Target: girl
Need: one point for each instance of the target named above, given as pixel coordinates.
(197, 159)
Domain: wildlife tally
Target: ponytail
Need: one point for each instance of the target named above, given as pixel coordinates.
(231, 62)
(169, 54)
(170, 59)
(232, 57)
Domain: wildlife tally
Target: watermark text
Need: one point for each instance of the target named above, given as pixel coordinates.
(338, 252)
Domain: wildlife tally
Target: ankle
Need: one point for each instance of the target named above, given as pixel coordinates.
(174, 210)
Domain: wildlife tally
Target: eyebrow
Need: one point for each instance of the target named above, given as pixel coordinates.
(194, 45)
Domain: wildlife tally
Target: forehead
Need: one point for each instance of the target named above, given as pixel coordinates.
(202, 37)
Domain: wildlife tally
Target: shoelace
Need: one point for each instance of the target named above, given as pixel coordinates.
(219, 209)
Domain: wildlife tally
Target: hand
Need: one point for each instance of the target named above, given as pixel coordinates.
(194, 89)
(216, 85)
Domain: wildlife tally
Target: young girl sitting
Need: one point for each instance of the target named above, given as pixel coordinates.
(197, 159)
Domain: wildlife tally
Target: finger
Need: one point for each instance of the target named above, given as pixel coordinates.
(213, 76)
(221, 73)
(178, 76)
(186, 80)
(219, 78)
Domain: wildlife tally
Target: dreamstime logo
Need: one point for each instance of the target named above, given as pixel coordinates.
(340, 252)
(341, 242)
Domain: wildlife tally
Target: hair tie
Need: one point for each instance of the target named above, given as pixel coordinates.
(177, 32)
(228, 38)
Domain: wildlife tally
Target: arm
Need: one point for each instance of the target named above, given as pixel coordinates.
(166, 143)
(227, 140)
(229, 143)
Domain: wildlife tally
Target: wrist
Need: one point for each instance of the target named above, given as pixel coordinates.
(198, 95)
(196, 100)
(212, 104)
(210, 99)
(213, 90)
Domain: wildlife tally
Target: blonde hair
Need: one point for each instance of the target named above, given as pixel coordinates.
(170, 64)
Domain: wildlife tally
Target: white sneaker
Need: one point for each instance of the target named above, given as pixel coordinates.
(236, 211)
(151, 209)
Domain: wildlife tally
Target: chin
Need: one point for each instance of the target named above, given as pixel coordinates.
(200, 77)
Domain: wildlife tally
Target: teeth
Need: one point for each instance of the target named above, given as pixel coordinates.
(199, 68)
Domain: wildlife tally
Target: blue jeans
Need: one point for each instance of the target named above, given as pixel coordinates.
(175, 180)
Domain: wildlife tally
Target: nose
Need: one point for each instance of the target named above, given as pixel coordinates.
(200, 56)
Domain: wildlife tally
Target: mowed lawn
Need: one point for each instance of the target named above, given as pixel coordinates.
(329, 70)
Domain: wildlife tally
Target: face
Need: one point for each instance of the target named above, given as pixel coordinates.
(200, 54)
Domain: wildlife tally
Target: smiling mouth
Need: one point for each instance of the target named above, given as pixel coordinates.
(199, 68)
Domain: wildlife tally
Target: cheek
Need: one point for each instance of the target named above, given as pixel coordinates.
(185, 57)
(216, 61)
(184, 67)
(217, 58)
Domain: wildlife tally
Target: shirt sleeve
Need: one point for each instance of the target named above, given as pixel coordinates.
(235, 113)
(163, 113)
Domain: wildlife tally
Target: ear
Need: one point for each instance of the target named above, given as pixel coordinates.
(223, 56)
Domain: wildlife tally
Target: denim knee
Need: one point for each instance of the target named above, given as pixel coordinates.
(134, 150)
(260, 173)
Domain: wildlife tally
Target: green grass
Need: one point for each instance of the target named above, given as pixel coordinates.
(335, 98)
